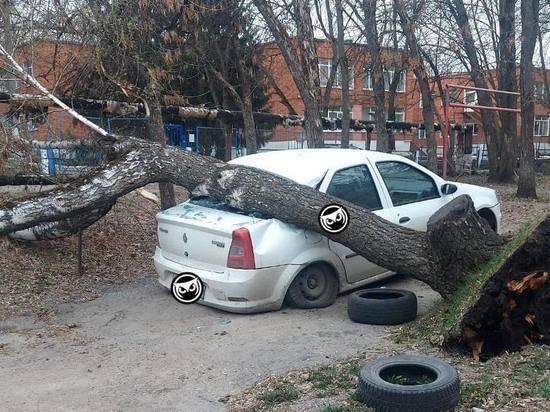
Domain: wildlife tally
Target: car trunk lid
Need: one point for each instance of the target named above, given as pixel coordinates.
(198, 233)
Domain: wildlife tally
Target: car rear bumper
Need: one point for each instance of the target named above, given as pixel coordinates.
(234, 290)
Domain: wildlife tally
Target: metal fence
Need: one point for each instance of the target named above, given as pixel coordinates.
(201, 139)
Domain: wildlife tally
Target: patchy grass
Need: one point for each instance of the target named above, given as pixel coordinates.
(329, 380)
(444, 320)
(285, 392)
(517, 381)
(508, 382)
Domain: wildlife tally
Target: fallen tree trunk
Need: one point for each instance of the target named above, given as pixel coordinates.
(423, 255)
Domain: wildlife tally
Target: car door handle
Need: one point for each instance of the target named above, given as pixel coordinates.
(404, 219)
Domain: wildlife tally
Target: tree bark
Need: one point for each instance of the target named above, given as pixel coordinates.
(489, 122)
(301, 59)
(6, 8)
(428, 106)
(344, 71)
(377, 73)
(249, 126)
(156, 133)
(506, 74)
(422, 255)
(529, 24)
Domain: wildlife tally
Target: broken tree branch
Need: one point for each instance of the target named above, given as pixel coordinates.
(26, 77)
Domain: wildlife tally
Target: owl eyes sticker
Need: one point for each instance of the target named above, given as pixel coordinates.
(187, 288)
(334, 218)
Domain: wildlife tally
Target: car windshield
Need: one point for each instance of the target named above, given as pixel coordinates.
(206, 201)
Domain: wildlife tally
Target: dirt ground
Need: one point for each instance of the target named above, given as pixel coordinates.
(113, 339)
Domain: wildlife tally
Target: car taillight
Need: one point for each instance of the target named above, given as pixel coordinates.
(241, 253)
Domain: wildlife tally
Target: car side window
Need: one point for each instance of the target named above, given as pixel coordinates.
(406, 184)
(355, 184)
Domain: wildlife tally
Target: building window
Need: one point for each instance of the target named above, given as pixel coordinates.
(367, 114)
(367, 80)
(334, 113)
(470, 98)
(542, 126)
(421, 103)
(422, 133)
(8, 83)
(388, 77)
(31, 125)
(540, 91)
(28, 67)
(473, 127)
(325, 67)
(399, 115)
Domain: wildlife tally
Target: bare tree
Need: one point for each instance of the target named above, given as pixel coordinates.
(300, 55)
(345, 73)
(506, 75)
(223, 42)
(529, 24)
(501, 145)
(419, 69)
(369, 27)
(6, 37)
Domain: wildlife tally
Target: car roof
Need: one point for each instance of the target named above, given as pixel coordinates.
(309, 166)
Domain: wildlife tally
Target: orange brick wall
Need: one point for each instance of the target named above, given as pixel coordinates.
(409, 100)
(56, 66)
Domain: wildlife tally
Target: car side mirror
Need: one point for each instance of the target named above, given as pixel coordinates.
(448, 189)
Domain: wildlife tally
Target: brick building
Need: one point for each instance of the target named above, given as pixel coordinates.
(407, 101)
(56, 65)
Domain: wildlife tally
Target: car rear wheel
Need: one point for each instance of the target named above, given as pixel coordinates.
(316, 286)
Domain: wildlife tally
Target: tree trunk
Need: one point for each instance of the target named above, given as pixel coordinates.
(344, 70)
(491, 129)
(156, 133)
(529, 24)
(377, 73)
(506, 74)
(391, 108)
(428, 105)
(301, 59)
(6, 9)
(426, 256)
(249, 126)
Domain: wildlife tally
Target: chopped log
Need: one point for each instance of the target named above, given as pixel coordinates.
(514, 306)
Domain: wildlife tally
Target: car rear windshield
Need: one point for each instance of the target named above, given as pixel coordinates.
(206, 201)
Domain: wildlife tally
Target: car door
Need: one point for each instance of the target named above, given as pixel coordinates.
(356, 185)
(414, 194)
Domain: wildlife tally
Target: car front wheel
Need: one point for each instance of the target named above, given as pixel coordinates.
(316, 286)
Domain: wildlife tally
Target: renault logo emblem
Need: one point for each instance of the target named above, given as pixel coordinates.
(184, 238)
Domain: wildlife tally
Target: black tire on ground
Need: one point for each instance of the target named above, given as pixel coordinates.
(316, 286)
(382, 306)
(441, 393)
